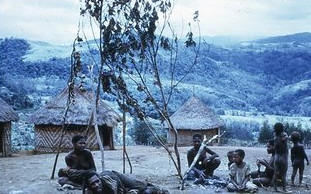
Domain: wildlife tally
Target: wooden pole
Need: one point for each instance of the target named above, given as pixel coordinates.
(124, 133)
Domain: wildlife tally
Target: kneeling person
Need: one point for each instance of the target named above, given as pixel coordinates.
(205, 165)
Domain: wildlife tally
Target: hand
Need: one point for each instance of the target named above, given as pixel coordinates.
(201, 174)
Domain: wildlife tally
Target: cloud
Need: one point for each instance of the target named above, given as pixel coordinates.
(57, 20)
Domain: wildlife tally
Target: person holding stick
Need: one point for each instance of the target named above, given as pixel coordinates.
(205, 165)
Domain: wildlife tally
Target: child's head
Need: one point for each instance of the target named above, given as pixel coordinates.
(239, 155)
(295, 136)
(230, 156)
(270, 146)
(278, 128)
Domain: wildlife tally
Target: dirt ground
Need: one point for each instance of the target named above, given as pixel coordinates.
(30, 174)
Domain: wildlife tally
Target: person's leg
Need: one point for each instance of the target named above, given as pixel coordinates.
(263, 181)
(231, 187)
(250, 187)
(294, 174)
(255, 174)
(211, 166)
(301, 169)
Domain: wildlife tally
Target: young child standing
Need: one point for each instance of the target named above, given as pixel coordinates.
(298, 155)
(240, 174)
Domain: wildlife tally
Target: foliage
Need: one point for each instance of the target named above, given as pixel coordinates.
(131, 36)
(237, 131)
(265, 133)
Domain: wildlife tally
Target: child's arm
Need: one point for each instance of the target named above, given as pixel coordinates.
(292, 155)
(246, 179)
(305, 156)
(234, 182)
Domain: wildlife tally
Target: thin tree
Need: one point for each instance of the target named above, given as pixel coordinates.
(130, 44)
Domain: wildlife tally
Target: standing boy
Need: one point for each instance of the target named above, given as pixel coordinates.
(298, 155)
(240, 174)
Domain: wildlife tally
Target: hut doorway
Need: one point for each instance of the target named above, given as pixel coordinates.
(106, 136)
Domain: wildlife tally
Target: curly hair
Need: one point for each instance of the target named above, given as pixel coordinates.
(295, 136)
(278, 128)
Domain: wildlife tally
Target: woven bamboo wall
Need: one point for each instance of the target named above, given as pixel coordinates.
(185, 136)
(6, 138)
(47, 138)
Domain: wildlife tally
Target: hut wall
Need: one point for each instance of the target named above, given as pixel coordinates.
(185, 136)
(5, 135)
(47, 138)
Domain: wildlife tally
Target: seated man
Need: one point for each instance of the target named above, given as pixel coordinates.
(112, 182)
(79, 162)
(265, 178)
(204, 166)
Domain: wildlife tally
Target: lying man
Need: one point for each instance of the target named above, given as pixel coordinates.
(79, 162)
(265, 178)
(112, 182)
(204, 166)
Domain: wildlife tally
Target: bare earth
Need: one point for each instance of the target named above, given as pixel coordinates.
(30, 174)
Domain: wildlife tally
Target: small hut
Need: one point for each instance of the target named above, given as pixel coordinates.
(7, 115)
(194, 117)
(48, 122)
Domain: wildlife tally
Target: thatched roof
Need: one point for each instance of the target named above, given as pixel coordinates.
(6, 112)
(195, 115)
(78, 113)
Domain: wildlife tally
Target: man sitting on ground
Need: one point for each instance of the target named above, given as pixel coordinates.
(265, 178)
(79, 162)
(204, 166)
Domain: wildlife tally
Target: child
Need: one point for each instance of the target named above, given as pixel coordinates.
(240, 174)
(280, 156)
(298, 155)
(230, 158)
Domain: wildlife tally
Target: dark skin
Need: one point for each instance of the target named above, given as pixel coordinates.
(80, 158)
(298, 155)
(96, 186)
(79, 162)
(266, 180)
(239, 162)
(203, 163)
(280, 159)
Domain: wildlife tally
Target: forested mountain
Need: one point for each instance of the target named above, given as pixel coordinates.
(272, 75)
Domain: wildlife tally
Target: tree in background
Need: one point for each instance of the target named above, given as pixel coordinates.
(265, 133)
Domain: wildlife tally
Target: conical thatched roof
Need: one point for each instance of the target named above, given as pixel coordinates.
(195, 115)
(6, 112)
(78, 113)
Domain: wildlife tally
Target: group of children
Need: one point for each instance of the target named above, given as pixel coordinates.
(276, 169)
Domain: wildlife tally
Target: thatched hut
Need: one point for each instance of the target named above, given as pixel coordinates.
(194, 117)
(7, 115)
(48, 122)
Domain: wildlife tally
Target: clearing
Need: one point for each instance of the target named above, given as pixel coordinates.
(30, 174)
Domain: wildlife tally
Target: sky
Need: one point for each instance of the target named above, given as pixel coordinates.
(56, 21)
